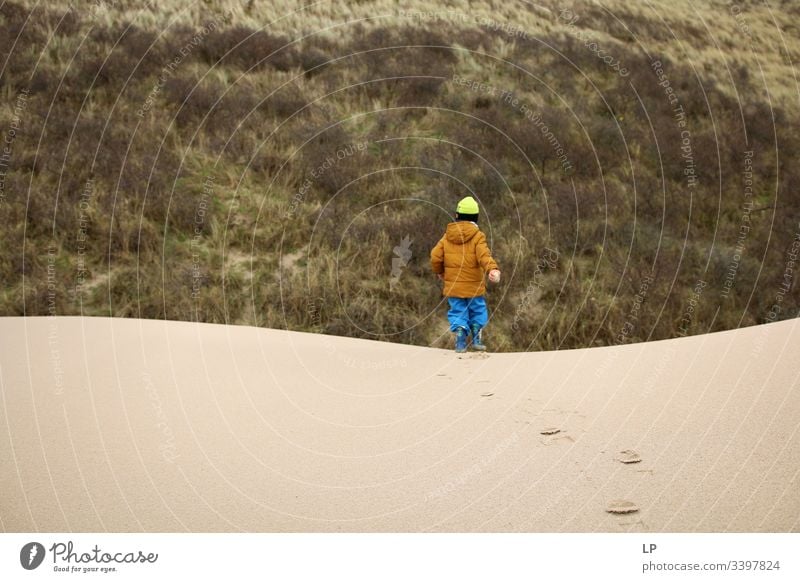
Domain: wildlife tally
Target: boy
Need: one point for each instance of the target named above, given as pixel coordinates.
(461, 259)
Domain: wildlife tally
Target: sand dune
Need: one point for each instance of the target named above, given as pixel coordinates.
(131, 425)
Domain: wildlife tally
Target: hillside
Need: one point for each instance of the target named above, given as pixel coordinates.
(261, 163)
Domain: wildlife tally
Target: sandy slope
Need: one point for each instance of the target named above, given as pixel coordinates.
(128, 425)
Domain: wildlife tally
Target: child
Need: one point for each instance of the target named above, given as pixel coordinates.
(460, 259)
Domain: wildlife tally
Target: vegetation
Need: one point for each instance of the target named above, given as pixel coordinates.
(263, 164)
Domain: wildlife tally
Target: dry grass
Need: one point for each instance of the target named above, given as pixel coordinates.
(337, 131)
(711, 35)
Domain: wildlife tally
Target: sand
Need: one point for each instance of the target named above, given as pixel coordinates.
(133, 425)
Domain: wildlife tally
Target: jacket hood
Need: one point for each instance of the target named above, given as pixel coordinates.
(461, 232)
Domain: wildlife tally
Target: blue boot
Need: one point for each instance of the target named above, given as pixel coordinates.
(461, 340)
(477, 343)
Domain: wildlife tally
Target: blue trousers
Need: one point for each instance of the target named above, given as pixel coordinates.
(465, 312)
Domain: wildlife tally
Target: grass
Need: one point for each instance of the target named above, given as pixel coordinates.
(258, 163)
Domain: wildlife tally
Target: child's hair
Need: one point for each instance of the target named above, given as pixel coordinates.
(468, 217)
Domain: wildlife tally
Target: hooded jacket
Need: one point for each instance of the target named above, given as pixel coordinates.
(464, 257)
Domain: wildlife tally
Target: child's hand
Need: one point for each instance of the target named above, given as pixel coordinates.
(494, 276)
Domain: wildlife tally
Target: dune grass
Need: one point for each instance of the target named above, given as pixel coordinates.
(262, 163)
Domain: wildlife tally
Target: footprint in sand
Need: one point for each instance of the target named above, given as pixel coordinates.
(620, 506)
(553, 438)
(628, 456)
(474, 356)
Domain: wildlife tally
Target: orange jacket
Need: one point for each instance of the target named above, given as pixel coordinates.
(464, 257)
